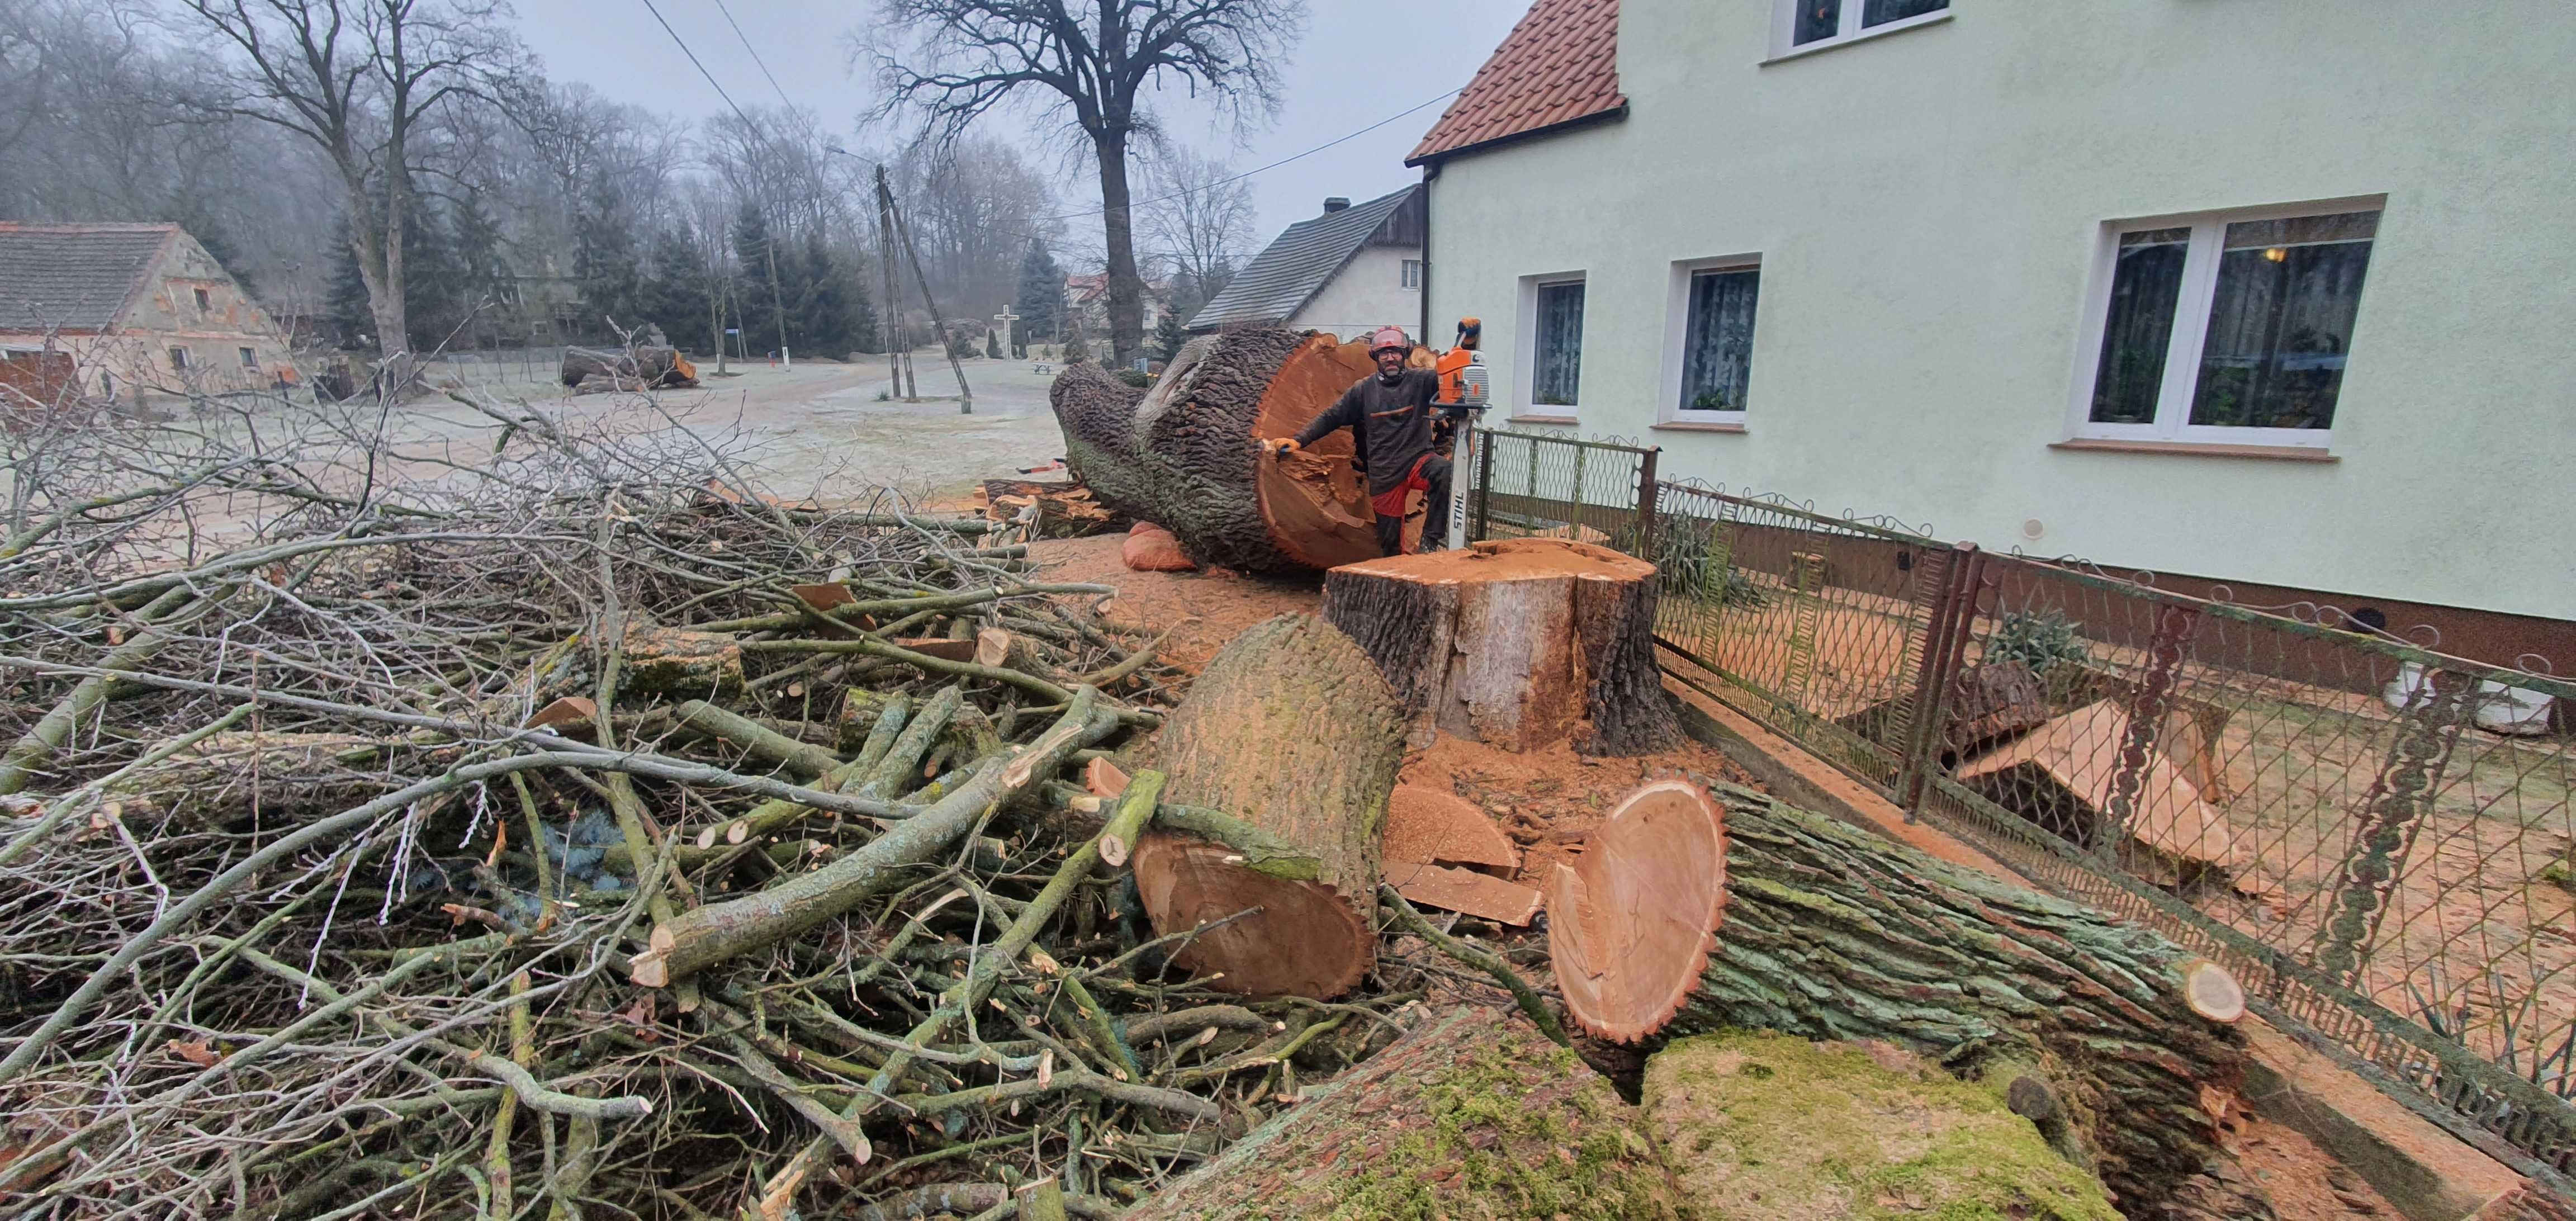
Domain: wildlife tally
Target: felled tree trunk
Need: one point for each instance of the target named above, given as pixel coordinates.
(635, 367)
(1471, 1115)
(1517, 643)
(1186, 455)
(1680, 919)
(1291, 740)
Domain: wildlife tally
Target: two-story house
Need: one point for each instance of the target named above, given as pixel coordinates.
(2274, 294)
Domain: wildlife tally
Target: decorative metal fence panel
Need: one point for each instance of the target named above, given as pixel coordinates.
(1529, 485)
(1812, 625)
(2379, 840)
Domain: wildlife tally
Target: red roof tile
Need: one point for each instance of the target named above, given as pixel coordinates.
(1559, 65)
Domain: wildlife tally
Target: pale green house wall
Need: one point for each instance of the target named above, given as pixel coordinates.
(1928, 207)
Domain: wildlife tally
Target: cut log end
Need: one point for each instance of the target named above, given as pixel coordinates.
(2212, 992)
(1307, 939)
(1631, 924)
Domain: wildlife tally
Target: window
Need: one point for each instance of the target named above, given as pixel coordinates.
(1413, 273)
(1808, 24)
(205, 302)
(178, 360)
(1708, 356)
(250, 360)
(1551, 334)
(2232, 327)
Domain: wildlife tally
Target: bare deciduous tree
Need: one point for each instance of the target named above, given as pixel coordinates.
(360, 79)
(1098, 66)
(1201, 221)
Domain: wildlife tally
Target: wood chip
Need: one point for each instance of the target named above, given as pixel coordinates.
(1463, 890)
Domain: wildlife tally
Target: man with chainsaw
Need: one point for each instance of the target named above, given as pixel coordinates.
(1390, 418)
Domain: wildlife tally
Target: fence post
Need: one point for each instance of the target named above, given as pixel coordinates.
(2174, 624)
(1646, 503)
(1485, 490)
(1954, 607)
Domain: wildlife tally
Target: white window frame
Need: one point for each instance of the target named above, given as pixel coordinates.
(1411, 275)
(1784, 26)
(1525, 369)
(1676, 338)
(250, 359)
(2199, 291)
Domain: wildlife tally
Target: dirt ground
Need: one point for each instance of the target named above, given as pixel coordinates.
(1223, 601)
(2306, 1185)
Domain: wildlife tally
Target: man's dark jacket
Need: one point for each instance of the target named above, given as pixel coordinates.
(1390, 424)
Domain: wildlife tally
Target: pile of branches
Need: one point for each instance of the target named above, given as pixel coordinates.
(562, 828)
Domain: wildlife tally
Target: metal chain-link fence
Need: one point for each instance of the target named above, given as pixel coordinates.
(2378, 839)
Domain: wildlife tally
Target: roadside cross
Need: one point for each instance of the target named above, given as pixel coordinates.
(1006, 318)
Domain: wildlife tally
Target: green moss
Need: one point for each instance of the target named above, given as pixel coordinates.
(1494, 1149)
(1772, 1126)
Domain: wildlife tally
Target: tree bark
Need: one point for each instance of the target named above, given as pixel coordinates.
(1517, 643)
(1469, 1115)
(1118, 230)
(1684, 919)
(1291, 733)
(1187, 455)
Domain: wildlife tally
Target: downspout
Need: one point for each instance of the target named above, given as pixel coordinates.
(1425, 332)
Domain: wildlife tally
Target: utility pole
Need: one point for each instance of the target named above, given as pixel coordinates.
(898, 351)
(965, 397)
(778, 301)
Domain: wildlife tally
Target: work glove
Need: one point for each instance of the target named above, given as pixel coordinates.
(1280, 448)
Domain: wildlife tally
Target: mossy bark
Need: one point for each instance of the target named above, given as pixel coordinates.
(1470, 1116)
(1291, 733)
(1832, 933)
(1778, 1127)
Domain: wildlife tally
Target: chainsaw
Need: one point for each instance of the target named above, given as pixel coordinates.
(1466, 389)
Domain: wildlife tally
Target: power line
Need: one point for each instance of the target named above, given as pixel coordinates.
(1132, 204)
(755, 53)
(702, 68)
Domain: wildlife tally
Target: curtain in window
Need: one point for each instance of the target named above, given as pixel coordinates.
(1880, 12)
(1560, 345)
(2145, 286)
(2281, 323)
(1717, 340)
(1817, 19)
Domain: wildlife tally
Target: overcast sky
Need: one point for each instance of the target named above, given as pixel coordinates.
(1358, 64)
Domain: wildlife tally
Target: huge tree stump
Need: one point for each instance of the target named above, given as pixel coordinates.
(1292, 741)
(1680, 919)
(1470, 1116)
(1518, 643)
(1186, 455)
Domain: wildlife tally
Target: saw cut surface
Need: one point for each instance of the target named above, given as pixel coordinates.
(1631, 924)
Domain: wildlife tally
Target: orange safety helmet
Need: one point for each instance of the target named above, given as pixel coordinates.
(1389, 337)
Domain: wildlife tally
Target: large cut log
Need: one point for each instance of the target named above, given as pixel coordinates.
(1291, 734)
(1681, 920)
(1469, 1116)
(643, 365)
(1517, 643)
(1186, 455)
